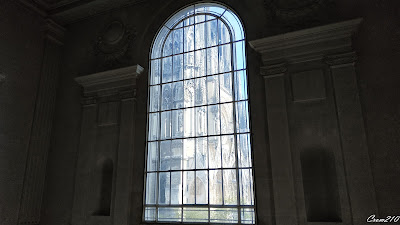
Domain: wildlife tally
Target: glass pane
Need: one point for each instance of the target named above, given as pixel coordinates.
(176, 187)
(228, 151)
(157, 46)
(177, 95)
(195, 215)
(242, 117)
(188, 39)
(226, 87)
(179, 16)
(154, 98)
(189, 121)
(153, 126)
(201, 187)
(212, 60)
(189, 153)
(188, 187)
(201, 153)
(199, 18)
(211, 33)
(167, 48)
(165, 155)
(230, 187)
(177, 123)
(215, 187)
(240, 57)
(200, 91)
(189, 20)
(164, 188)
(234, 24)
(248, 216)
(223, 215)
(213, 8)
(155, 71)
(189, 93)
(200, 66)
(213, 89)
(169, 214)
(226, 118)
(223, 33)
(167, 69)
(150, 214)
(178, 41)
(178, 67)
(200, 41)
(166, 97)
(240, 85)
(214, 149)
(176, 154)
(246, 187)
(201, 121)
(243, 142)
(188, 68)
(151, 188)
(166, 125)
(225, 58)
(152, 156)
(213, 120)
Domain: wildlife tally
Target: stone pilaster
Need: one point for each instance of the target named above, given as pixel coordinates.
(39, 143)
(352, 134)
(108, 127)
(304, 99)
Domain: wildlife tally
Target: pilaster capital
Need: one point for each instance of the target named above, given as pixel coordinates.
(273, 70)
(341, 59)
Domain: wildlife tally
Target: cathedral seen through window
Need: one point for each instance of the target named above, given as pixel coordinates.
(199, 160)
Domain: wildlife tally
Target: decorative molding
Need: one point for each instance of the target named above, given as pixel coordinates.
(110, 82)
(341, 59)
(275, 69)
(113, 41)
(308, 44)
(54, 31)
(90, 100)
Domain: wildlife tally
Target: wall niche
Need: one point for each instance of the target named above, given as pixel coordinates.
(320, 185)
(104, 186)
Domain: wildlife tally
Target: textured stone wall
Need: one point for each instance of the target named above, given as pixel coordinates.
(21, 48)
(377, 44)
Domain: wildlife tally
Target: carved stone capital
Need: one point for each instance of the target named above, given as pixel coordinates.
(90, 100)
(273, 70)
(128, 94)
(340, 59)
(54, 32)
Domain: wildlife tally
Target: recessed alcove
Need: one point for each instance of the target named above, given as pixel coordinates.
(321, 194)
(104, 173)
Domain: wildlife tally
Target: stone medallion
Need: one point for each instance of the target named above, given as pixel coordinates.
(113, 41)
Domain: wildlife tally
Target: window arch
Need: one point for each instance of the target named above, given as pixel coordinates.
(198, 165)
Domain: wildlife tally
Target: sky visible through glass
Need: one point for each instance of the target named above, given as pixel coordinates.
(199, 166)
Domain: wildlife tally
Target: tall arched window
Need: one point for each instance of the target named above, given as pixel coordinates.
(199, 166)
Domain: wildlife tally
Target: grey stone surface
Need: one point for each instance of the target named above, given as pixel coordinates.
(376, 75)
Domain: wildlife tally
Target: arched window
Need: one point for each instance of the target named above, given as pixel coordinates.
(199, 166)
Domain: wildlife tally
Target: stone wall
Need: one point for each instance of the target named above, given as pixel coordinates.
(21, 47)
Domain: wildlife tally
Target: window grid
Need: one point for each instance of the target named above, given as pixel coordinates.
(236, 133)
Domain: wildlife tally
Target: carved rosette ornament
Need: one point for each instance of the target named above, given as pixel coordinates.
(113, 42)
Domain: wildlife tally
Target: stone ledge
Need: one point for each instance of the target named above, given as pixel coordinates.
(308, 44)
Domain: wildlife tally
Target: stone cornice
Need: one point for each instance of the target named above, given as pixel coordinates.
(54, 31)
(110, 82)
(273, 70)
(341, 59)
(308, 44)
